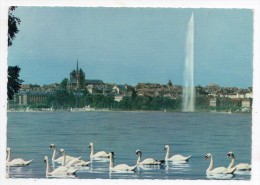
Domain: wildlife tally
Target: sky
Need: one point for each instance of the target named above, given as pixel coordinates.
(132, 45)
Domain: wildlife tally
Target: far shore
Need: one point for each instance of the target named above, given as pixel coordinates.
(118, 110)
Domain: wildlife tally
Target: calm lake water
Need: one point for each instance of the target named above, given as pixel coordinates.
(29, 135)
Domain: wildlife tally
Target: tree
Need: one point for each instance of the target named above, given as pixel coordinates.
(63, 84)
(62, 99)
(14, 82)
(170, 83)
(12, 25)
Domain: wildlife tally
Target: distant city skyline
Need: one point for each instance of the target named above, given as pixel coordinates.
(132, 45)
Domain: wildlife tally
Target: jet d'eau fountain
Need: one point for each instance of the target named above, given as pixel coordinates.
(188, 91)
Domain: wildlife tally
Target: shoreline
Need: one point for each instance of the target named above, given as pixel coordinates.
(113, 110)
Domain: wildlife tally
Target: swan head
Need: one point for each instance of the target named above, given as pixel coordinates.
(111, 154)
(230, 154)
(45, 159)
(8, 149)
(61, 151)
(207, 156)
(52, 146)
(138, 152)
(166, 147)
(91, 145)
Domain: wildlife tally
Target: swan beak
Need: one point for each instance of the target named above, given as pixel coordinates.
(44, 160)
(164, 148)
(89, 146)
(228, 155)
(206, 157)
(51, 146)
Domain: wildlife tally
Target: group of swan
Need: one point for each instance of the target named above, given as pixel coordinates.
(60, 171)
(147, 161)
(70, 164)
(211, 171)
(70, 161)
(60, 159)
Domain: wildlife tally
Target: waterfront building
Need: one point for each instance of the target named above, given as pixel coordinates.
(93, 82)
(246, 103)
(120, 89)
(77, 79)
(213, 102)
(30, 98)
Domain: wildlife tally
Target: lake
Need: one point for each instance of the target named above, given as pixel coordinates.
(29, 135)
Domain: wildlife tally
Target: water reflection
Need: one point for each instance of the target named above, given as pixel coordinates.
(150, 167)
(123, 174)
(102, 160)
(220, 176)
(240, 172)
(63, 176)
(177, 167)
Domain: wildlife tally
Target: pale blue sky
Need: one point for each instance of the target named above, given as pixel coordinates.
(131, 45)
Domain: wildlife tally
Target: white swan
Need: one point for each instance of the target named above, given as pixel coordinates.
(120, 167)
(15, 162)
(60, 171)
(219, 170)
(175, 158)
(74, 162)
(60, 159)
(239, 167)
(148, 161)
(101, 154)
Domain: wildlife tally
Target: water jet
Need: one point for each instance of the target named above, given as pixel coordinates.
(188, 90)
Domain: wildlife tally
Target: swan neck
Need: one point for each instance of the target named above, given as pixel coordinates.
(167, 153)
(111, 165)
(231, 165)
(211, 164)
(64, 158)
(8, 156)
(54, 154)
(47, 167)
(91, 151)
(138, 159)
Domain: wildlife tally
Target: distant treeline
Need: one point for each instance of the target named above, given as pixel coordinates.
(63, 99)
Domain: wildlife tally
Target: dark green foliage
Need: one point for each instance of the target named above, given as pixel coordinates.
(64, 83)
(228, 104)
(125, 103)
(170, 83)
(202, 103)
(14, 83)
(200, 91)
(34, 86)
(62, 99)
(12, 25)
(149, 103)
